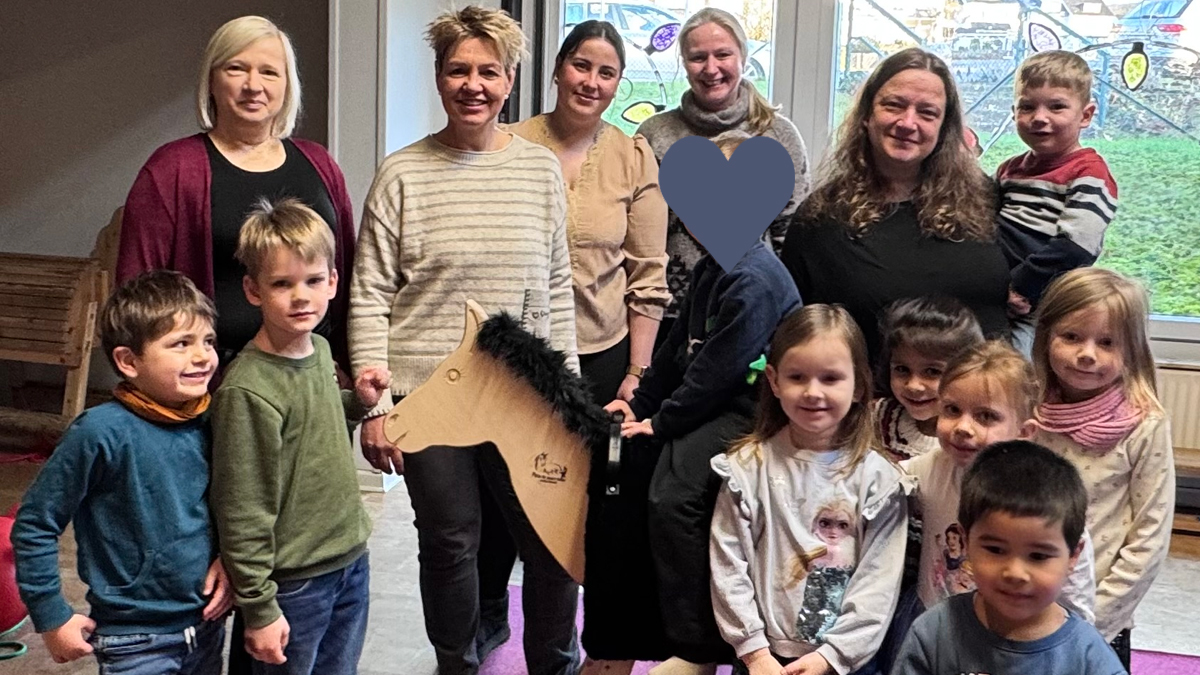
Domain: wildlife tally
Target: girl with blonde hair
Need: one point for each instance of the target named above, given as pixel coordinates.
(1100, 410)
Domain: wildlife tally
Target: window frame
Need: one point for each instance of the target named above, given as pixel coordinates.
(807, 94)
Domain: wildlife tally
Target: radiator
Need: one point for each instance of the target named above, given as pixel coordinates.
(1179, 391)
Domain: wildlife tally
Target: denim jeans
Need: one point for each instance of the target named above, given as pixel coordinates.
(444, 485)
(327, 619)
(195, 651)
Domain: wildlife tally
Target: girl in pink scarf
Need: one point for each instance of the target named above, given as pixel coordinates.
(1100, 410)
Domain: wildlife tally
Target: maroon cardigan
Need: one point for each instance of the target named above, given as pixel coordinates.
(168, 222)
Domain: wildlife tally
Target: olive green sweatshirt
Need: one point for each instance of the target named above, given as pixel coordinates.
(284, 488)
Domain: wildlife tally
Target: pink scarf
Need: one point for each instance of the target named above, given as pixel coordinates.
(1096, 424)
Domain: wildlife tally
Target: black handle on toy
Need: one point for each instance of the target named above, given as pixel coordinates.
(612, 471)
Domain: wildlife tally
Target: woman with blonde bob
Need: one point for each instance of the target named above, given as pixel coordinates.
(470, 212)
(719, 99)
(903, 209)
(188, 202)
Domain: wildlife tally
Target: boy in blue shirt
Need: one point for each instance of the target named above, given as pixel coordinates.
(1023, 538)
(133, 476)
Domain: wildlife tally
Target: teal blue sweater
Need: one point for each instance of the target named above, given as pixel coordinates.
(136, 492)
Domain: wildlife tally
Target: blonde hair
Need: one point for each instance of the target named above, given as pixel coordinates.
(1128, 313)
(229, 41)
(955, 199)
(997, 362)
(728, 141)
(289, 224)
(762, 113)
(494, 26)
(856, 435)
(1055, 68)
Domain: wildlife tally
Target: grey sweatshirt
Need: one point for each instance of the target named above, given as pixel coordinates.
(807, 556)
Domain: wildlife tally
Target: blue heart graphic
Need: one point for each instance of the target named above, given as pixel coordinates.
(727, 205)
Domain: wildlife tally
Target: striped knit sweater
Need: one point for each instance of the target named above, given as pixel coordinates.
(441, 226)
(1053, 214)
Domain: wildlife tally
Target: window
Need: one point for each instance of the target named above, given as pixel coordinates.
(1150, 136)
(656, 80)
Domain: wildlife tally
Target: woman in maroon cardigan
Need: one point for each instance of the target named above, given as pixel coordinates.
(188, 202)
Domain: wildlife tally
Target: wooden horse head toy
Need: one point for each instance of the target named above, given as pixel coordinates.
(505, 386)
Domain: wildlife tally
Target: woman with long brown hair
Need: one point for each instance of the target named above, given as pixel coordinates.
(903, 209)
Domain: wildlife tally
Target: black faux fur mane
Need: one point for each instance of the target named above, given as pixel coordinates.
(545, 369)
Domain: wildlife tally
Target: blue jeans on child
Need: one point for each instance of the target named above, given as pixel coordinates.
(194, 651)
(327, 620)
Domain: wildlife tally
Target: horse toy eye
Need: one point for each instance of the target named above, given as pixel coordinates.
(452, 375)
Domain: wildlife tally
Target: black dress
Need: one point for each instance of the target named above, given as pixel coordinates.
(892, 261)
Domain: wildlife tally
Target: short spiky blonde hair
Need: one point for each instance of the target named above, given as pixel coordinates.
(1128, 308)
(289, 224)
(998, 363)
(1055, 68)
(490, 25)
(228, 42)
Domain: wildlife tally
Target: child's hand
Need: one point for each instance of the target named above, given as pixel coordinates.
(809, 664)
(761, 662)
(216, 585)
(631, 429)
(371, 384)
(69, 641)
(622, 407)
(268, 643)
(1017, 304)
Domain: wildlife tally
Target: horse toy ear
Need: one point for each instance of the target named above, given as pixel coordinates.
(475, 317)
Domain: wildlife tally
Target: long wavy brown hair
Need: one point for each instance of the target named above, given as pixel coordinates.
(955, 199)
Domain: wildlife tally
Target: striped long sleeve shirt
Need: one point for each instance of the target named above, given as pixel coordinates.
(441, 226)
(1053, 215)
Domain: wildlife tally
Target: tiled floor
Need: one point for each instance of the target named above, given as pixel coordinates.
(396, 642)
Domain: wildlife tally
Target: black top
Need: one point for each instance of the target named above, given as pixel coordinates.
(235, 192)
(894, 260)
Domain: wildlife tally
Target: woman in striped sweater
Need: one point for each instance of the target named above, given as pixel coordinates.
(468, 212)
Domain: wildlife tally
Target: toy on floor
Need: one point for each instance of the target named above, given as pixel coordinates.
(505, 386)
(12, 610)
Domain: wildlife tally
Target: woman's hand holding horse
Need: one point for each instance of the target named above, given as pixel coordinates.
(377, 450)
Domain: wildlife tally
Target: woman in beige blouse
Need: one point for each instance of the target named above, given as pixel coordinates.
(616, 215)
(617, 237)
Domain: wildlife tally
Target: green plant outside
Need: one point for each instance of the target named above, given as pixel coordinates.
(1155, 236)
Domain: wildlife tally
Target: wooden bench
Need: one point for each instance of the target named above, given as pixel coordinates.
(48, 308)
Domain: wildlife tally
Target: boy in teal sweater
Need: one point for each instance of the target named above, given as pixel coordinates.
(285, 492)
(132, 475)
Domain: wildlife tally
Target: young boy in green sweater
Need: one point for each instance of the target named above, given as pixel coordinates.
(285, 494)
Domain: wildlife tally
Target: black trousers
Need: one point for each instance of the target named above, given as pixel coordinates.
(683, 492)
(1122, 646)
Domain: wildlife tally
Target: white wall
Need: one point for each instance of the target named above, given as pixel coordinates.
(412, 107)
(89, 89)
